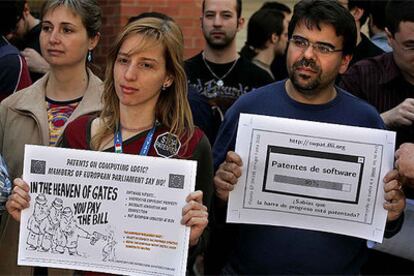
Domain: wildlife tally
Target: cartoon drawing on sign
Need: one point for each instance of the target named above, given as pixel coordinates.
(40, 213)
(50, 225)
(108, 251)
(69, 234)
(54, 229)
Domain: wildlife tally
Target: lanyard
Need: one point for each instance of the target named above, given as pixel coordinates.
(145, 147)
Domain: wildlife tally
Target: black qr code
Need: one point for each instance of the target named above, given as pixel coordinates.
(176, 181)
(38, 167)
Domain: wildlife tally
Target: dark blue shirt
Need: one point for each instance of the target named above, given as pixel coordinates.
(280, 250)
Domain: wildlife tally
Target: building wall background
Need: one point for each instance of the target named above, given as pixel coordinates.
(185, 12)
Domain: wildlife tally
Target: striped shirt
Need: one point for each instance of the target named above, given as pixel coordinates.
(379, 81)
(58, 114)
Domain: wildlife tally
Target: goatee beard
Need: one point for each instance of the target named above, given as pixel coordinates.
(309, 89)
(217, 46)
(306, 63)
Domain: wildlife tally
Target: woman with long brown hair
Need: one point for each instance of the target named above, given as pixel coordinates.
(146, 112)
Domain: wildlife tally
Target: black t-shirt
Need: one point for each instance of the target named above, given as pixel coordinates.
(203, 115)
(32, 38)
(278, 68)
(365, 49)
(242, 78)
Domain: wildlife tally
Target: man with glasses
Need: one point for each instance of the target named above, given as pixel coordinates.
(387, 82)
(322, 38)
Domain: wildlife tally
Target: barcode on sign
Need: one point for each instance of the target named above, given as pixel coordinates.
(176, 181)
(38, 166)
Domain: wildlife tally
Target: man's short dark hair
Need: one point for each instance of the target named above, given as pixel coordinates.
(362, 4)
(377, 11)
(398, 11)
(238, 7)
(314, 12)
(262, 25)
(273, 5)
(10, 14)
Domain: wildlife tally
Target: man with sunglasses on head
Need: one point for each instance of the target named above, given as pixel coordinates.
(387, 82)
(322, 38)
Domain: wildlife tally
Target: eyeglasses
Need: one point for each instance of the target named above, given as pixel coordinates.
(410, 49)
(320, 48)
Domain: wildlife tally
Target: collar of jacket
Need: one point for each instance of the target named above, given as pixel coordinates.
(32, 101)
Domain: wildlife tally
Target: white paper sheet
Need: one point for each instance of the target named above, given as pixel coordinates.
(106, 212)
(312, 175)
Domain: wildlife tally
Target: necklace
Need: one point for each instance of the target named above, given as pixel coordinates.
(137, 129)
(220, 81)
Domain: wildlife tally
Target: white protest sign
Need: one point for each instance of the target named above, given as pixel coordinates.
(105, 212)
(312, 175)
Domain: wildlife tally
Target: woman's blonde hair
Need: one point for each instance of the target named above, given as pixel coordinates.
(172, 109)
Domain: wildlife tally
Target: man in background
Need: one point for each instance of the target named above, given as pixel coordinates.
(278, 66)
(376, 25)
(387, 83)
(266, 38)
(218, 74)
(26, 38)
(14, 74)
(360, 11)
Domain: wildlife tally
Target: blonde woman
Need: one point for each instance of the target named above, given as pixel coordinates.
(146, 112)
(38, 114)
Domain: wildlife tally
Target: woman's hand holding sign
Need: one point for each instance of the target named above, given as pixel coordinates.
(19, 198)
(195, 215)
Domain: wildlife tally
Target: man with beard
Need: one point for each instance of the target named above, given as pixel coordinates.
(218, 74)
(322, 37)
(278, 65)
